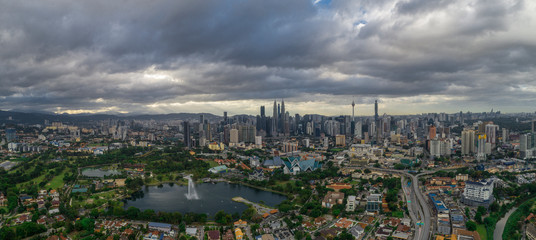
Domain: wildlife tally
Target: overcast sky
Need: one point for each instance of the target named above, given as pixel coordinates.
(164, 56)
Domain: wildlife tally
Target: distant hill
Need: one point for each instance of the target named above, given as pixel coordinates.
(39, 118)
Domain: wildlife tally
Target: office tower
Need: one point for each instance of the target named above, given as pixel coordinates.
(284, 119)
(226, 134)
(533, 125)
(11, 134)
(468, 142)
(358, 132)
(201, 119)
(225, 118)
(187, 138)
(376, 122)
(275, 120)
(263, 113)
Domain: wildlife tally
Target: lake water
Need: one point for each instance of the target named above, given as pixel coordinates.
(95, 172)
(212, 198)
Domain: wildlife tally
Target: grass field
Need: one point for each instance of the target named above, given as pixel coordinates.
(481, 229)
(398, 214)
(57, 181)
(36, 180)
(213, 164)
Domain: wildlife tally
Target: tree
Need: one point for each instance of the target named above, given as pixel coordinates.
(249, 213)
(470, 225)
(133, 213)
(478, 217)
(222, 218)
(7, 233)
(366, 171)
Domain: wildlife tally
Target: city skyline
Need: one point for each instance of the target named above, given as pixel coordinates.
(319, 56)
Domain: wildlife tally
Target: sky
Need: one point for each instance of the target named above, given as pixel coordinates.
(169, 56)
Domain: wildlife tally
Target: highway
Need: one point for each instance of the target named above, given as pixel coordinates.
(418, 209)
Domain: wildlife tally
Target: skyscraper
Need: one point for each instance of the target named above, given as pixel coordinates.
(274, 120)
(353, 111)
(263, 113)
(283, 116)
(11, 134)
(225, 118)
(376, 122)
(187, 139)
(432, 131)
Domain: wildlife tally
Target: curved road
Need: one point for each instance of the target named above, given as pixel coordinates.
(499, 228)
(421, 232)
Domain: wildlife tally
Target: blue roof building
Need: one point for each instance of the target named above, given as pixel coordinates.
(273, 163)
(295, 165)
(164, 227)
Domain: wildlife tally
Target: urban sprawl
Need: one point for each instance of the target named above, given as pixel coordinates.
(441, 176)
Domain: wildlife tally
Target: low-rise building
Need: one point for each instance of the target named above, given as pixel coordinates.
(332, 198)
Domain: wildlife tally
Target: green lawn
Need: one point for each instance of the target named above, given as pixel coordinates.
(36, 180)
(57, 181)
(481, 229)
(398, 214)
(213, 164)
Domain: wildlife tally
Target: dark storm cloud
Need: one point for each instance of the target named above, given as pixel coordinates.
(126, 55)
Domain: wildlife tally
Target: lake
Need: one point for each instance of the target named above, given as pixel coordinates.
(95, 172)
(212, 198)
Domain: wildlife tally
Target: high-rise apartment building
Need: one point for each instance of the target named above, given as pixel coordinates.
(233, 136)
(468, 142)
(478, 193)
(491, 133)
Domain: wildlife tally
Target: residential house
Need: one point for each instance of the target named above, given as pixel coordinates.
(332, 198)
(213, 235)
(356, 231)
(239, 234)
(241, 223)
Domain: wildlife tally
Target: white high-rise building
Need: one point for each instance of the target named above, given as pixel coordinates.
(258, 140)
(468, 142)
(478, 193)
(435, 148)
(481, 153)
(358, 129)
(233, 136)
(527, 145)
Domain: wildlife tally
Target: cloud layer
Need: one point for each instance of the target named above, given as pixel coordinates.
(211, 56)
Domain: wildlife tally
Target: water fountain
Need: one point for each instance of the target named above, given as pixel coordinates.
(192, 194)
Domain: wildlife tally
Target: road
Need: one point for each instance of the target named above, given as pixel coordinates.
(499, 228)
(421, 232)
(411, 201)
